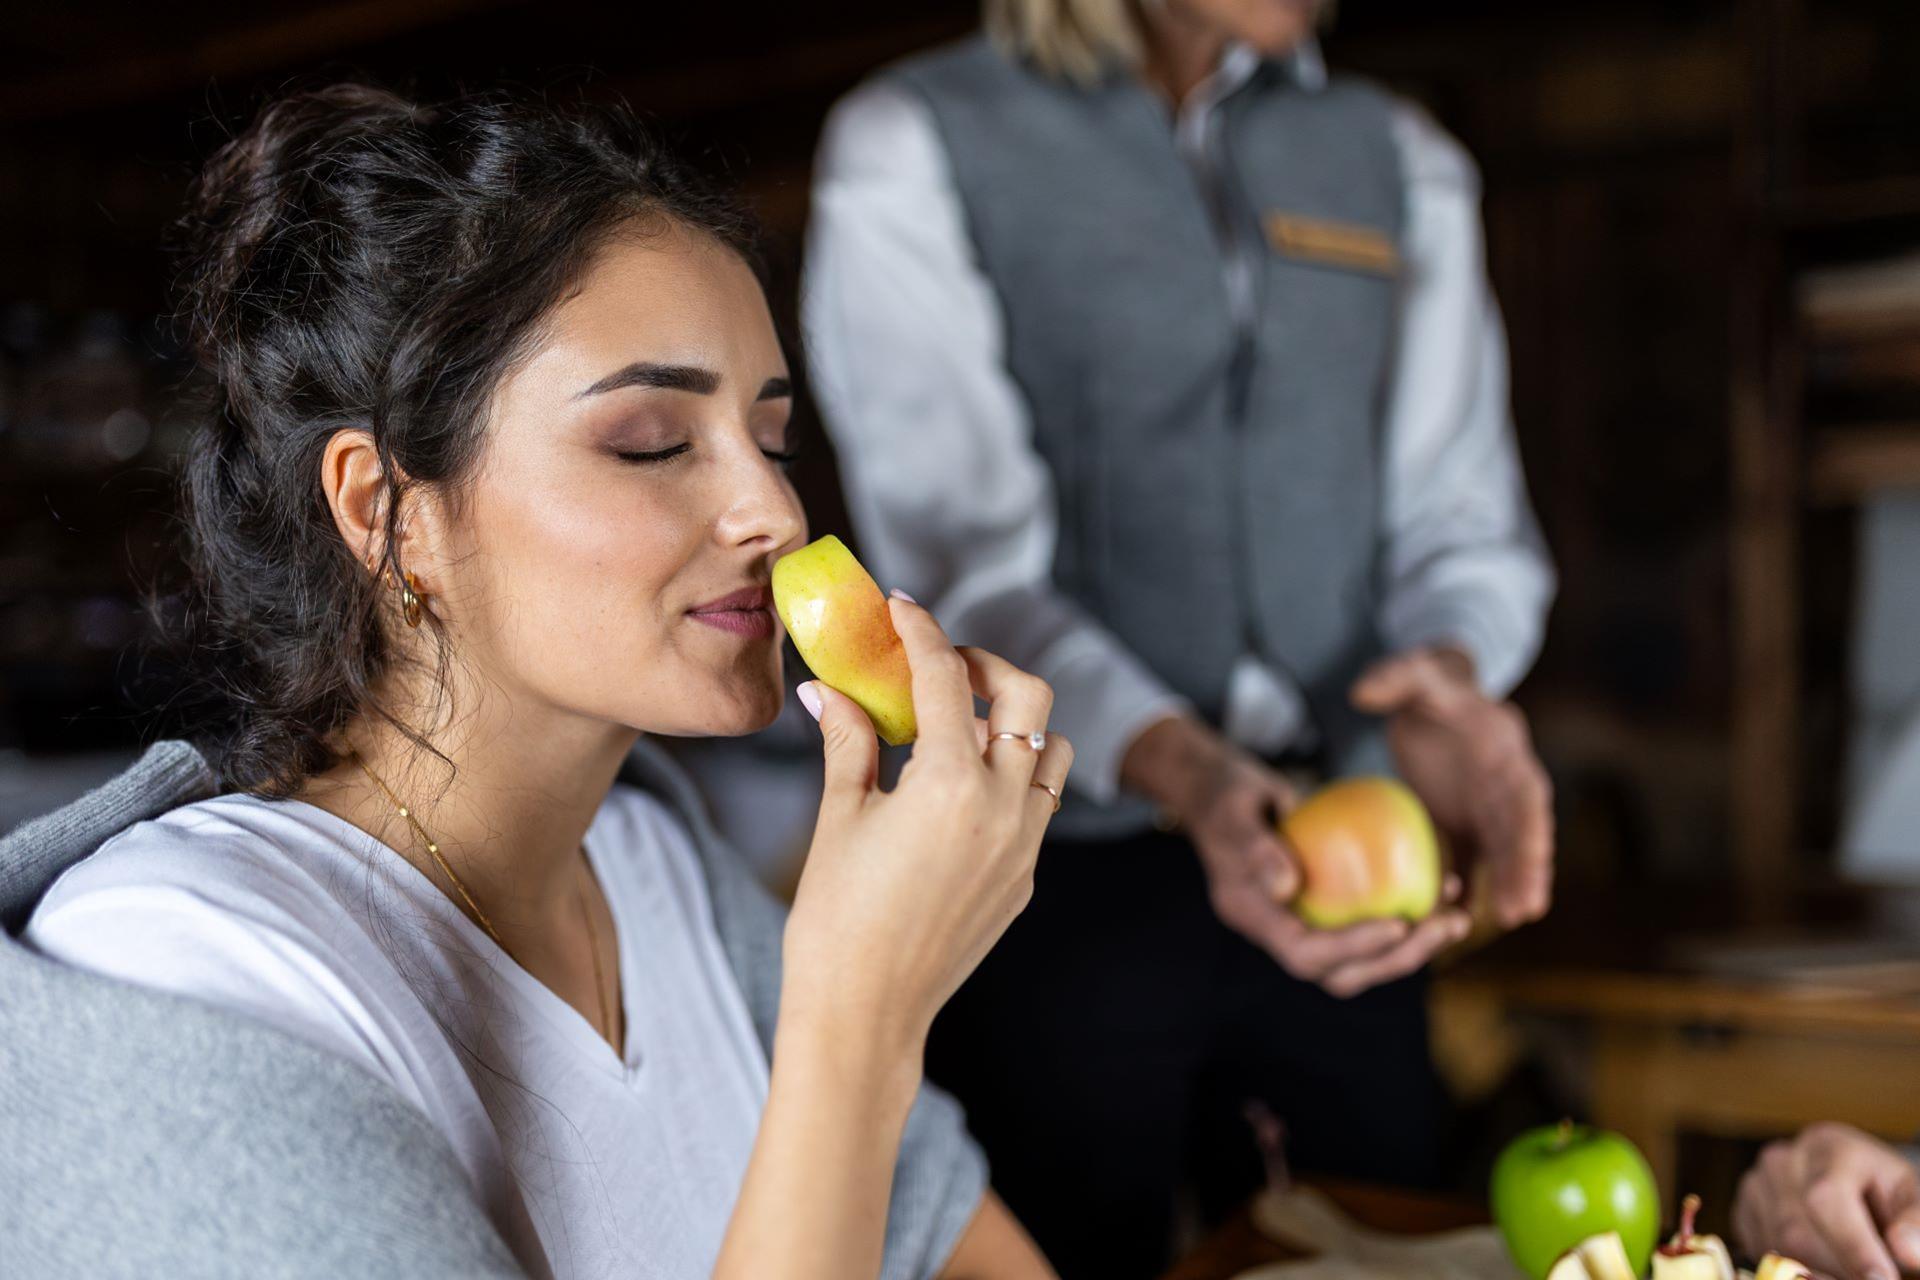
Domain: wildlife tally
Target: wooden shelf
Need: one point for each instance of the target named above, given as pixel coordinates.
(1849, 204)
(1676, 1055)
(1848, 464)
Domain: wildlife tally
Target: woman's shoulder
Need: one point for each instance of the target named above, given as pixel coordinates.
(231, 851)
(234, 901)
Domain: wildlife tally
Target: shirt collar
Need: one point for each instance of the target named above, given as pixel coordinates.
(1304, 64)
(1308, 65)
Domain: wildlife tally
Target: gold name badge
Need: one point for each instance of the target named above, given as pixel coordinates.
(1333, 244)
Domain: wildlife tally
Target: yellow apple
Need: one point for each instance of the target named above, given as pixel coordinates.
(839, 622)
(1367, 851)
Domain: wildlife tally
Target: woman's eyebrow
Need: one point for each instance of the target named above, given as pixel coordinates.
(665, 377)
(678, 377)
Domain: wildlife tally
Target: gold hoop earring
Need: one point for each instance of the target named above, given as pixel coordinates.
(384, 572)
(410, 601)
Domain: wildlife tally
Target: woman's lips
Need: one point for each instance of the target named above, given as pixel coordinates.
(742, 622)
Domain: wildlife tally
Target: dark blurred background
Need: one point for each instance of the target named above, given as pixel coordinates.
(1701, 220)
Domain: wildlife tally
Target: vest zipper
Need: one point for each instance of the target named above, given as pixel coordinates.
(1243, 296)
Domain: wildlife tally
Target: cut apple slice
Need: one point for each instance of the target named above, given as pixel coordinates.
(1686, 1266)
(1569, 1267)
(1690, 1255)
(1776, 1267)
(1605, 1257)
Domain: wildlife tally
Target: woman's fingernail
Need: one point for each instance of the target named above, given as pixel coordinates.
(810, 699)
(903, 595)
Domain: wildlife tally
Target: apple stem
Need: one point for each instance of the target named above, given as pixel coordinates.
(1270, 1135)
(1564, 1135)
(1689, 1210)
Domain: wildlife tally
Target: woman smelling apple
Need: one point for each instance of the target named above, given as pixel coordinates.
(492, 487)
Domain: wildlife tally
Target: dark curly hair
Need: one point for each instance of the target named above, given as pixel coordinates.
(353, 259)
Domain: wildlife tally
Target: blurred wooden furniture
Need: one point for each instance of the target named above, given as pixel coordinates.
(1789, 454)
(1239, 1245)
(1674, 1054)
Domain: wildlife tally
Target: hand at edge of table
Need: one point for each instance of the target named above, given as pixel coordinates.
(1835, 1198)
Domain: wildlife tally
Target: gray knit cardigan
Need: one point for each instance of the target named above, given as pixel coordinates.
(144, 1134)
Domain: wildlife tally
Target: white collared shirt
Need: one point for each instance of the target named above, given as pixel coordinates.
(903, 326)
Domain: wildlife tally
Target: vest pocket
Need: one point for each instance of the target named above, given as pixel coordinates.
(1326, 242)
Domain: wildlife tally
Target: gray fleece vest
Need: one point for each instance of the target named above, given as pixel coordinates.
(1218, 484)
(143, 1134)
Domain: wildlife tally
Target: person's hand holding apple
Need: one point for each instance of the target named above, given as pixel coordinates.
(1471, 760)
(1229, 804)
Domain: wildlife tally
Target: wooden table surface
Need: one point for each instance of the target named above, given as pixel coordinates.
(1673, 1055)
(1238, 1245)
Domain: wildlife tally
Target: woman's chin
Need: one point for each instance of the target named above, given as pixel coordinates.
(712, 704)
(748, 711)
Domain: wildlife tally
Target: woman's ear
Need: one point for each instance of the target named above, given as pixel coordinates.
(355, 482)
(356, 488)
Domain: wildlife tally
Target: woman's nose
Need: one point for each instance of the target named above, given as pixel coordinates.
(763, 507)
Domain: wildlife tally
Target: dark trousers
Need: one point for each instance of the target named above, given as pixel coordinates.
(1106, 1049)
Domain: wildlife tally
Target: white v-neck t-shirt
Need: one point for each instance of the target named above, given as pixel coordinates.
(591, 1164)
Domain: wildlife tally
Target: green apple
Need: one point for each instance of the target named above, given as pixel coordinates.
(1558, 1185)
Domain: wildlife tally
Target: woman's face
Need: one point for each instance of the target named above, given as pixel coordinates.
(1271, 27)
(629, 485)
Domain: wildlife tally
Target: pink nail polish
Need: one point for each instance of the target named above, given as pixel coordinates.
(810, 699)
(903, 595)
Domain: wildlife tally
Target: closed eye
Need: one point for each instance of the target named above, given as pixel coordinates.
(651, 455)
(780, 457)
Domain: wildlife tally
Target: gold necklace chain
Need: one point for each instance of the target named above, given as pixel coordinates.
(607, 1029)
(405, 810)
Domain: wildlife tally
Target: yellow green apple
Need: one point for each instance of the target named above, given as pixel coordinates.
(839, 622)
(1367, 851)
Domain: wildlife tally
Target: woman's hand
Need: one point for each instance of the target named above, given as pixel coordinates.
(1836, 1199)
(1471, 760)
(1230, 804)
(904, 892)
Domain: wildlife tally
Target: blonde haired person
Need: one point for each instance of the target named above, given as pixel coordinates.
(1164, 361)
